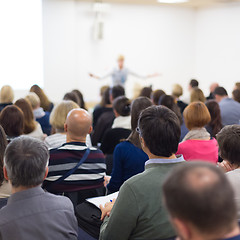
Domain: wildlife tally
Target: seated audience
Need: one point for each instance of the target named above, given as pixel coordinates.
(198, 144)
(197, 95)
(6, 97)
(104, 106)
(230, 109)
(44, 101)
(106, 119)
(146, 92)
(236, 95)
(201, 204)
(87, 180)
(31, 127)
(72, 96)
(80, 96)
(129, 158)
(237, 85)
(156, 95)
(215, 125)
(169, 102)
(213, 86)
(192, 84)
(5, 187)
(38, 112)
(14, 127)
(177, 92)
(138, 212)
(229, 150)
(32, 213)
(57, 119)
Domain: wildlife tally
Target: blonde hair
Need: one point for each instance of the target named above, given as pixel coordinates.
(6, 94)
(33, 99)
(197, 95)
(59, 114)
(120, 58)
(177, 90)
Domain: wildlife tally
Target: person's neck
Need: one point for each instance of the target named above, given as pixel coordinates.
(233, 233)
(80, 139)
(20, 188)
(60, 131)
(152, 156)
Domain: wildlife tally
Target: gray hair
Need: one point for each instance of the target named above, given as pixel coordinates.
(26, 159)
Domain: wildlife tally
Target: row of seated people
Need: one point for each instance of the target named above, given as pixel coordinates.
(197, 193)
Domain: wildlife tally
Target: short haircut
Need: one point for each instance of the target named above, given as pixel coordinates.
(6, 94)
(236, 95)
(196, 115)
(26, 160)
(12, 121)
(193, 83)
(229, 143)
(156, 95)
(146, 92)
(34, 100)
(160, 129)
(122, 105)
(197, 95)
(221, 91)
(59, 114)
(117, 91)
(200, 193)
(177, 90)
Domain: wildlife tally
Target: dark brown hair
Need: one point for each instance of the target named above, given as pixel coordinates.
(196, 115)
(146, 92)
(73, 97)
(3, 145)
(12, 121)
(122, 105)
(155, 96)
(80, 96)
(236, 95)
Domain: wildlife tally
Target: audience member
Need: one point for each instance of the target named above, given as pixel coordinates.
(129, 158)
(30, 212)
(38, 112)
(146, 92)
(6, 97)
(156, 95)
(169, 102)
(213, 86)
(193, 84)
(197, 95)
(13, 128)
(215, 125)
(44, 101)
(85, 181)
(230, 109)
(229, 150)
(177, 92)
(237, 85)
(105, 121)
(198, 144)
(138, 212)
(31, 127)
(200, 201)
(72, 96)
(80, 96)
(5, 187)
(236, 95)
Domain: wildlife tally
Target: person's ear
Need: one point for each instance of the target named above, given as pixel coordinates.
(5, 173)
(46, 173)
(90, 130)
(182, 229)
(65, 127)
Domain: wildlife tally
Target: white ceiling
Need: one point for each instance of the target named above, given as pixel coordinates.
(190, 3)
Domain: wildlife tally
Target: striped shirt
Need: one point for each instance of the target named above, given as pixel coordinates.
(89, 175)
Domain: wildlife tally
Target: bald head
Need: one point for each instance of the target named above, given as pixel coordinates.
(78, 125)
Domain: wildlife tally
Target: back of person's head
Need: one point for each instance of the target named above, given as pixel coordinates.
(156, 95)
(12, 121)
(117, 91)
(78, 124)
(29, 122)
(199, 197)
(197, 95)
(3, 145)
(122, 105)
(237, 85)
(34, 100)
(236, 95)
(220, 91)
(105, 97)
(73, 97)
(215, 113)
(193, 83)
(229, 144)
(44, 101)
(196, 115)
(169, 102)
(81, 99)
(177, 90)
(146, 92)
(26, 161)
(159, 127)
(6, 94)
(59, 114)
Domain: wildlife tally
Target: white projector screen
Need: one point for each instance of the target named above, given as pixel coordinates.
(21, 50)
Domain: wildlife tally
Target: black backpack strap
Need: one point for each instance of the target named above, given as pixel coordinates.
(71, 171)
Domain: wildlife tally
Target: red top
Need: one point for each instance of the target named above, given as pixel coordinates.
(205, 150)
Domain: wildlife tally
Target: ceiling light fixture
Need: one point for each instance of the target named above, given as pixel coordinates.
(172, 1)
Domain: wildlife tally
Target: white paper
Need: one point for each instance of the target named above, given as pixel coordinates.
(97, 201)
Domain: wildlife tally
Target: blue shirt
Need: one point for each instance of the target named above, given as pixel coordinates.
(128, 160)
(234, 238)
